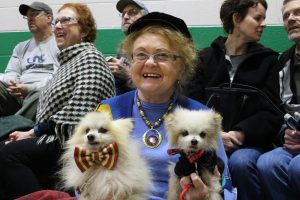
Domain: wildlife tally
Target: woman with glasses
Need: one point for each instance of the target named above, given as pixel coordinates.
(237, 76)
(162, 54)
(82, 79)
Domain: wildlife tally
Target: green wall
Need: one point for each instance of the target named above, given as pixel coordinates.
(108, 40)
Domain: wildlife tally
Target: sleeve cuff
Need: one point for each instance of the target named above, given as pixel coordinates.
(40, 129)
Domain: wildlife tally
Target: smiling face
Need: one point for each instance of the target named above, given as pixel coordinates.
(251, 27)
(154, 80)
(68, 32)
(291, 19)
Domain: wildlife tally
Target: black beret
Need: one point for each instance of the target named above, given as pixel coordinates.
(161, 19)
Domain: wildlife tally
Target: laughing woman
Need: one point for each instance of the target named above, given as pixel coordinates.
(76, 88)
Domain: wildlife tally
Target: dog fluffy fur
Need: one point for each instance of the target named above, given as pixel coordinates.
(130, 178)
(192, 131)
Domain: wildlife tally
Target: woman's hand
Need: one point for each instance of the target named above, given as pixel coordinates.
(198, 190)
(20, 135)
(232, 140)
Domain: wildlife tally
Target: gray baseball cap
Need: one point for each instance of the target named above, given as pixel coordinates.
(23, 8)
(123, 3)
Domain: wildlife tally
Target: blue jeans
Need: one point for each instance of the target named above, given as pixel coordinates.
(280, 174)
(244, 173)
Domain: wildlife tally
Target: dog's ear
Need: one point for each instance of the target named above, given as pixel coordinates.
(76, 138)
(170, 123)
(218, 120)
(121, 129)
(169, 120)
(123, 126)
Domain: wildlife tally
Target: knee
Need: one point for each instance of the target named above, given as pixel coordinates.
(6, 155)
(2, 157)
(264, 162)
(267, 163)
(294, 169)
(241, 160)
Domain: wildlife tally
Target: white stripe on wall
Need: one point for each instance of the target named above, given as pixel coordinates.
(194, 12)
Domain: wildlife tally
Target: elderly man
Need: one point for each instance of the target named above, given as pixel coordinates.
(130, 11)
(31, 65)
(280, 168)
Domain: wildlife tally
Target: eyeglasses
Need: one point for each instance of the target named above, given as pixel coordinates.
(131, 12)
(65, 21)
(158, 57)
(33, 14)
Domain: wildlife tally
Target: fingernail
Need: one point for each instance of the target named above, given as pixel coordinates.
(193, 175)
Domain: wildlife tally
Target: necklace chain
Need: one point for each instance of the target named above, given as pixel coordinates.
(146, 120)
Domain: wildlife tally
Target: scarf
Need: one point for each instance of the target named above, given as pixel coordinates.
(82, 80)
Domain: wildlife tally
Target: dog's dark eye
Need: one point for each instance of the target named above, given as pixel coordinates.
(202, 134)
(87, 130)
(184, 133)
(102, 130)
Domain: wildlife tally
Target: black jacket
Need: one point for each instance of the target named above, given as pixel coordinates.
(248, 103)
(285, 57)
(287, 70)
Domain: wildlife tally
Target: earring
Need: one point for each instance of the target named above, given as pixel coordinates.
(179, 86)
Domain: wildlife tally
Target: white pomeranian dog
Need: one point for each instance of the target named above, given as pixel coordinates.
(193, 134)
(102, 162)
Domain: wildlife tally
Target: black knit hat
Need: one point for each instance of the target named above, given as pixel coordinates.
(161, 19)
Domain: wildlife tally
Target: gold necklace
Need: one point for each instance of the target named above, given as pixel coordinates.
(152, 137)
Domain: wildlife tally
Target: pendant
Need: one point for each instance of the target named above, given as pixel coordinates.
(152, 138)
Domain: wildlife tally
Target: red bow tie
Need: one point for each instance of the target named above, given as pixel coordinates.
(107, 157)
(192, 157)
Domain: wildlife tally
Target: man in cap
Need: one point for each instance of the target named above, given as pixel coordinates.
(130, 11)
(31, 65)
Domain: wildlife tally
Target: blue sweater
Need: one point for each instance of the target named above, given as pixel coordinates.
(158, 160)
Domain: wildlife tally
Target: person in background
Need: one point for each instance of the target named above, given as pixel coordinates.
(237, 77)
(280, 168)
(130, 11)
(31, 65)
(162, 54)
(82, 79)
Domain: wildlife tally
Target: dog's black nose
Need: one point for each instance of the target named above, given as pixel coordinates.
(91, 138)
(194, 142)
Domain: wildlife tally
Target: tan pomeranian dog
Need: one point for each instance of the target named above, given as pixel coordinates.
(193, 134)
(102, 162)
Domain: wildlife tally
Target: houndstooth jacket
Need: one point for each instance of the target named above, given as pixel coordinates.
(81, 81)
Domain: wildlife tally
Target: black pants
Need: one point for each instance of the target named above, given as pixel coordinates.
(10, 105)
(20, 164)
